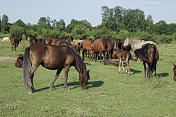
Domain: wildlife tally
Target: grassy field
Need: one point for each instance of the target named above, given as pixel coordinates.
(110, 94)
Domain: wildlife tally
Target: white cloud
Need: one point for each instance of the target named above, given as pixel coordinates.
(153, 2)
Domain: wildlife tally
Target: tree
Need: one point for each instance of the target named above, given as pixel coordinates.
(149, 23)
(16, 31)
(4, 24)
(60, 25)
(160, 27)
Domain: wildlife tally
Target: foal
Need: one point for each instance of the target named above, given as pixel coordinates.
(124, 58)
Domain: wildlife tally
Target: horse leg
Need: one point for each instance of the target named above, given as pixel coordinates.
(66, 68)
(31, 75)
(83, 52)
(55, 78)
(120, 62)
(144, 70)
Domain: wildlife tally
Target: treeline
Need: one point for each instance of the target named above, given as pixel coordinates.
(117, 23)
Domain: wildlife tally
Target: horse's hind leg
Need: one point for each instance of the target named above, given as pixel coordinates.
(55, 78)
(31, 75)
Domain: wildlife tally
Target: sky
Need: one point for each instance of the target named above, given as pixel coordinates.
(29, 11)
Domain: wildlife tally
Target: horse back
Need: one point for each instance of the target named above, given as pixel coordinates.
(51, 57)
(100, 45)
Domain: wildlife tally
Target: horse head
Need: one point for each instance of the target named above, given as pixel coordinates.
(86, 77)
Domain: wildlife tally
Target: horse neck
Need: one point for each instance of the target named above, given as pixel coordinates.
(80, 65)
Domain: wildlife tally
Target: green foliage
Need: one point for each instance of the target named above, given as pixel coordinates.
(16, 31)
(123, 34)
(4, 24)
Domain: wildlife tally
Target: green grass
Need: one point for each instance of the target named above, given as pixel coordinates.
(110, 93)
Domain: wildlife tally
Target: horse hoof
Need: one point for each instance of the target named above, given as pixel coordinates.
(30, 92)
(51, 88)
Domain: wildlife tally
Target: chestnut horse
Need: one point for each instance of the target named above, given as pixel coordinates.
(149, 55)
(174, 70)
(86, 47)
(52, 58)
(99, 46)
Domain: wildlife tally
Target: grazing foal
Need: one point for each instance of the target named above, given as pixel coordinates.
(124, 58)
(174, 70)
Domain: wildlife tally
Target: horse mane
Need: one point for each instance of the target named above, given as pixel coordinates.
(79, 62)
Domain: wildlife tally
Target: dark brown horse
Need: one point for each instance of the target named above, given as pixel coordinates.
(174, 70)
(14, 42)
(52, 58)
(99, 47)
(19, 61)
(124, 59)
(110, 48)
(149, 54)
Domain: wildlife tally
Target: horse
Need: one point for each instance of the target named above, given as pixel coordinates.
(135, 43)
(99, 46)
(14, 42)
(52, 58)
(5, 39)
(19, 61)
(174, 70)
(149, 54)
(124, 58)
(110, 48)
(58, 42)
(34, 41)
(86, 46)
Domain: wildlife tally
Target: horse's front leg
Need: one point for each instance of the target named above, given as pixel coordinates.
(55, 78)
(66, 68)
(145, 72)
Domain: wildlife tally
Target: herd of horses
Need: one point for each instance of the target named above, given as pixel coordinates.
(58, 54)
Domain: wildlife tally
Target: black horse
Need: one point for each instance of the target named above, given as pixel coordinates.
(53, 58)
(149, 54)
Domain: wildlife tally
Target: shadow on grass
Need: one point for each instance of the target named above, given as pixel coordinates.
(162, 75)
(135, 71)
(91, 84)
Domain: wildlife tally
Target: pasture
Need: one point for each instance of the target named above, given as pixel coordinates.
(109, 93)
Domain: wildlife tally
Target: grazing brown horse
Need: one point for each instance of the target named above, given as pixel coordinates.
(86, 46)
(174, 70)
(124, 58)
(149, 54)
(19, 61)
(14, 42)
(99, 46)
(52, 58)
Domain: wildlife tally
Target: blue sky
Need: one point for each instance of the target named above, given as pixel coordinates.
(31, 10)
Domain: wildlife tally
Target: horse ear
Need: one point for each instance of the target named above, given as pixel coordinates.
(88, 70)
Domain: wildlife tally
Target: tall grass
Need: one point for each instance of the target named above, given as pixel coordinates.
(109, 93)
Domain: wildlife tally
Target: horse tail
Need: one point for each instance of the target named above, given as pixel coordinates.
(26, 67)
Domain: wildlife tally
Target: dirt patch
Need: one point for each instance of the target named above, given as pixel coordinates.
(3, 58)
